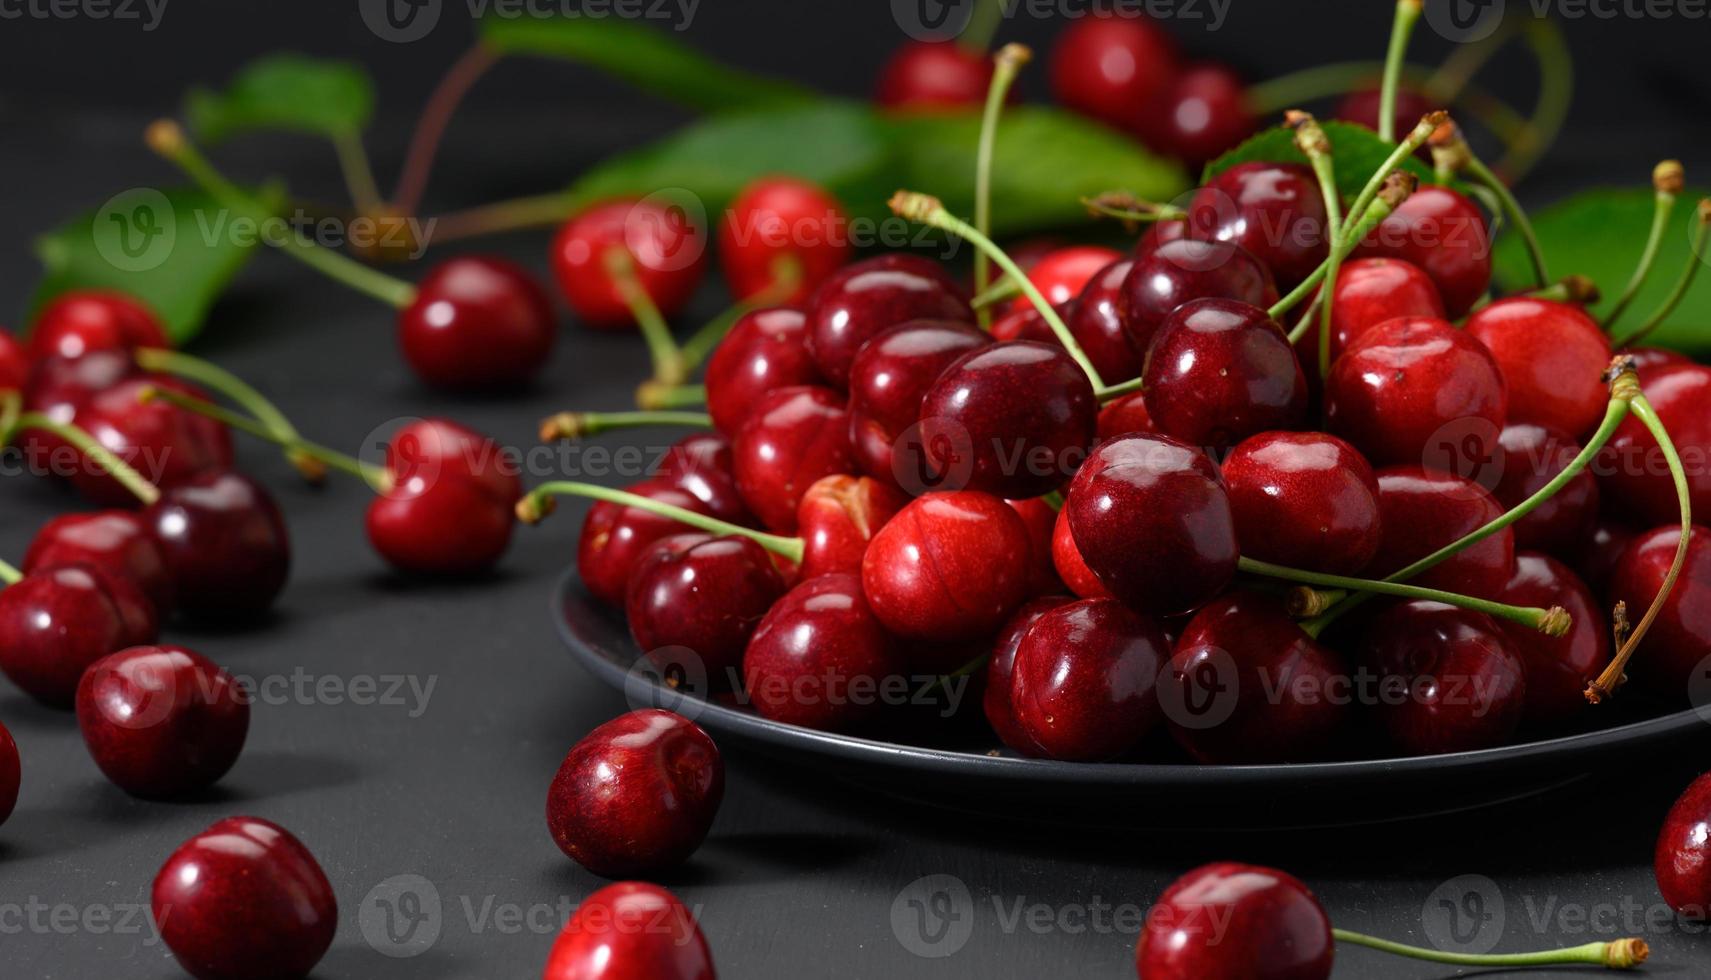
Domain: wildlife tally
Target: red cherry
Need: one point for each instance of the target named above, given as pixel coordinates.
(630, 931)
(819, 657)
(59, 619)
(1553, 358)
(1371, 292)
(1000, 668)
(168, 445)
(449, 509)
(58, 387)
(1672, 655)
(1274, 210)
(1084, 683)
(1423, 510)
(793, 437)
(636, 795)
(1221, 370)
(115, 541)
(862, 300)
(1061, 274)
(704, 464)
(1040, 520)
(1449, 679)
(776, 219)
(1655, 357)
(1202, 114)
(934, 75)
(242, 900)
(1112, 68)
(1532, 457)
(1632, 468)
(1229, 920)
(1362, 108)
(161, 721)
(1098, 322)
(11, 772)
(765, 350)
(1682, 861)
(1595, 558)
(614, 537)
(14, 364)
(1305, 500)
(1159, 234)
(1123, 416)
(225, 545)
(1178, 271)
(949, 567)
(1028, 324)
(1558, 669)
(838, 517)
(80, 322)
(889, 379)
(1066, 558)
(1444, 234)
(477, 322)
(702, 595)
(667, 251)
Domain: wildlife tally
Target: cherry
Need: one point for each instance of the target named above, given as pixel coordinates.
(11, 772)
(14, 364)
(225, 545)
(1203, 113)
(1151, 517)
(1271, 686)
(1553, 358)
(1028, 324)
(79, 322)
(820, 655)
(1084, 683)
(838, 517)
(1221, 370)
(1671, 656)
(477, 322)
(614, 537)
(1532, 457)
(1422, 510)
(1595, 559)
(1444, 234)
(704, 464)
(949, 567)
(1178, 271)
(702, 594)
(1040, 520)
(1682, 862)
(765, 350)
(57, 387)
(793, 437)
(666, 249)
(448, 511)
(636, 795)
(1161, 233)
(1558, 669)
(630, 931)
(245, 899)
(862, 300)
(1371, 292)
(1362, 107)
(1061, 274)
(1632, 468)
(168, 445)
(161, 721)
(1066, 558)
(889, 379)
(1112, 68)
(1229, 920)
(1012, 419)
(1417, 390)
(1646, 358)
(1098, 323)
(781, 220)
(59, 619)
(117, 542)
(1000, 668)
(1274, 210)
(932, 76)
(1123, 416)
(1305, 500)
(1450, 680)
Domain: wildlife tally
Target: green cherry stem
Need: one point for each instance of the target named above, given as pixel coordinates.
(9, 574)
(1131, 210)
(1695, 258)
(1618, 954)
(1544, 37)
(930, 211)
(1415, 139)
(1007, 64)
(578, 425)
(357, 171)
(1004, 289)
(83, 442)
(1396, 189)
(651, 396)
(212, 376)
(1310, 140)
(662, 347)
(1120, 389)
(786, 279)
(982, 25)
(1401, 29)
(1455, 158)
(1554, 621)
(539, 502)
(1667, 180)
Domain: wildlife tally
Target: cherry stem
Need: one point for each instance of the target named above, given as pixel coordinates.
(539, 211)
(1416, 138)
(1556, 93)
(1398, 186)
(1618, 954)
(358, 172)
(1695, 258)
(1401, 29)
(1667, 180)
(1007, 63)
(651, 396)
(577, 425)
(1131, 210)
(83, 442)
(982, 25)
(1482, 176)
(378, 479)
(928, 210)
(1607, 682)
(662, 347)
(9, 575)
(168, 139)
(1554, 621)
(431, 125)
(1120, 389)
(211, 375)
(787, 277)
(1000, 291)
(539, 502)
(1310, 140)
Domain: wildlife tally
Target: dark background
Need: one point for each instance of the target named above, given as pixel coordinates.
(800, 874)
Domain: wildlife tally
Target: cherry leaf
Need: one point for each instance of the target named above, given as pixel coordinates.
(286, 92)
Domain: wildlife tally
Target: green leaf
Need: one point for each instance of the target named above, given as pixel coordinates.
(1600, 233)
(1357, 152)
(175, 250)
(285, 92)
(647, 58)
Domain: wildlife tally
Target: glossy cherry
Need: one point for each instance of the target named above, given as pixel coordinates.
(765, 350)
(1362, 107)
(1274, 210)
(243, 900)
(1445, 235)
(1219, 371)
(614, 537)
(1632, 469)
(793, 437)
(1151, 517)
(1040, 520)
(11, 772)
(1558, 669)
(58, 387)
(1112, 68)
(166, 444)
(838, 517)
(700, 597)
(667, 252)
(636, 795)
(1422, 510)
(1203, 113)
(1671, 657)
(449, 509)
(14, 364)
(1098, 322)
(1061, 274)
(81, 321)
(1449, 679)
(1066, 558)
(1532, 457)
(704, 464)
(225, 545)
(1682, 859)
(889, 379)
(1124, 415)
(819, 657)
(1229, 920)
(161, 722)
(1553, 358)
(1084, 683)
(1602, 546)
(1000, 668)
(778, 220)
(59, 619)
(630, 931)
(949, 567)
(1305, 500)
(934, 76)
(1371, 292)
(1178, 271)
(864, 299)
(477, 321)
(116, 541)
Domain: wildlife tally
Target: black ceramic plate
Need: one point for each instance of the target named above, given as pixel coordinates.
(957, 765)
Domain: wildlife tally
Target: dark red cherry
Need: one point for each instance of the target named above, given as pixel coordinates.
(1632, 469)
(477, 322)
(14, 364)
(949, 567)
(668, 253)
(1672, 655)
(1655, 357)
(1066, 558)
(1013, 419)
(819, 657)
(630, 931)
(1161, 233)
(614, 537)
(1028, 324)
(1449, 679)
(1273, 210)
(1595, 558)
(1040, 521)
(1096, 320)
(11, 772)
(82, 321)
(703, 595)
(1123, 416)
(1000, 668)
(765, 350)
(1226, 921)
(934, 75)
(58, 386)
(116, 541)
(1682, 860)
(1084, 683)
(1553, 358)
(888, 381)
(242, 900)
(1112, 68)
(1203, 113)
(1370, 292)
(793, 437)
(1362, 107)
(59, 619)
(1532, 457)
(1558, 669)
(1182, 270)
(1219, 371)
(449, 511)
(1444, 234)
(862, 300)
(1061, 274)
(1151, 517)
(703, 464)
(838, 517)
(1419, 391)
(1423, 510)
(161, 721)
(1305, 500)
(1247, 685)
(225, 545)
(637, 795)
(166, 444)
(777, 221)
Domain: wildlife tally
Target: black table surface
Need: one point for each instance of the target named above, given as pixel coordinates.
(439, 790)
